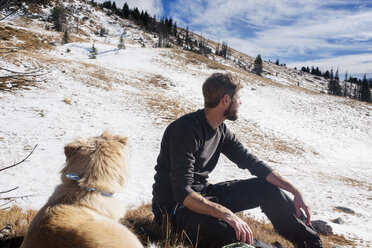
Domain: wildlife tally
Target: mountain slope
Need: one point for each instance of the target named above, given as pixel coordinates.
(319, 142)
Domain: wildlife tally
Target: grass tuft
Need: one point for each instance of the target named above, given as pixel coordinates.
(140, 221)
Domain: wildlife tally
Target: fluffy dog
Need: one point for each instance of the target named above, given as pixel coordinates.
(81, 212)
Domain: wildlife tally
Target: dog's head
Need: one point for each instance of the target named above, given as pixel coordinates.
(98, 161)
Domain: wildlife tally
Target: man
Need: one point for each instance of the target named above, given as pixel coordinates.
(190, 149)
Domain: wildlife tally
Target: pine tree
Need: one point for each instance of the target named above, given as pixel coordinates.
(218, 48)
(345, 85)
(121, 44)
(187, 38)
(93, 52)
(136, 14)
(175, 33)
(107, 5)
(337, 87)
(58, 17)
(257, 68)
(126, 11)
(65, 38)
(224, 50)
(318, 72)
(365, 94)
(326, 75)
(334, 87)
(330, 84)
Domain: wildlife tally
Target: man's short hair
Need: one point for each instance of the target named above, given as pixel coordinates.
(216, 86)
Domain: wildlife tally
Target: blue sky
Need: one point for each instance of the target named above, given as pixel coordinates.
(333, 33)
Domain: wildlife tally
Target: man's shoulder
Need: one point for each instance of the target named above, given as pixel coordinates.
(190, 119)
(189, 125)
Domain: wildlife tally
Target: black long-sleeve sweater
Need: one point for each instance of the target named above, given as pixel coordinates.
(189, 151)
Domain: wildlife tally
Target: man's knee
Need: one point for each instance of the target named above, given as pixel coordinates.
(204, 230)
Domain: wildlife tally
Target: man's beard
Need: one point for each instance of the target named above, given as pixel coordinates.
(231, 114)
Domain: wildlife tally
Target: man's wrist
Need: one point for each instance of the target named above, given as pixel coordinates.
(225, 214)
(295, 192)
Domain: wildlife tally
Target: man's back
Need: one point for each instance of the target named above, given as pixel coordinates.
(190, 149)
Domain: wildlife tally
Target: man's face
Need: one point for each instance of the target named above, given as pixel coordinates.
(231, 113)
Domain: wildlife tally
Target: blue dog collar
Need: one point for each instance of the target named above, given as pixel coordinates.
(76, 178)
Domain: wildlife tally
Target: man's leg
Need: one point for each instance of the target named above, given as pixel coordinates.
(206, 231)
(240, 195)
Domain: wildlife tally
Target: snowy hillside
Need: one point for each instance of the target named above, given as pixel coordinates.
(321, 143)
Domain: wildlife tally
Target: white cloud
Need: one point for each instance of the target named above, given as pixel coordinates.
(153, 7)
(283, 29)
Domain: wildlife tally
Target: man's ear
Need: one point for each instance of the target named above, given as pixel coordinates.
(226, 99)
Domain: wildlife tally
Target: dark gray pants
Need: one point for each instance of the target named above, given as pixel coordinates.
(241, 195)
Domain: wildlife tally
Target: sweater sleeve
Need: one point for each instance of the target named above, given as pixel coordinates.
(182, 147)
(235, 151)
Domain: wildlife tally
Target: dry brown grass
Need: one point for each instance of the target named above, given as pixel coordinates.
(16, 221)
(67, 101)
(27, 40)
(263, 143)
(167, 108)
(357, 183)
(13, 84)
(190, 58)
(159, 81)
(140, 220)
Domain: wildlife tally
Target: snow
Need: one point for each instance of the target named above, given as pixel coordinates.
(320, 143)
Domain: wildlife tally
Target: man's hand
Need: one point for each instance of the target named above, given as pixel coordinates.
(199, 204)
(242, 231)
(298, 201)
(299, 204)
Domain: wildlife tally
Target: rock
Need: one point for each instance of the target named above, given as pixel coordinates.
(321, 227)
(345, 210)
(277, 245)
(339, 220)
(5, 232)
(337, 246)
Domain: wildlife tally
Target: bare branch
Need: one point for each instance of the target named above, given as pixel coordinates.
(18, 197)
(3, 18)
(6, 203)
(5, 4)
(7, 191)
(19, 76)
(4, 69)
(5, 168)
(8, 48)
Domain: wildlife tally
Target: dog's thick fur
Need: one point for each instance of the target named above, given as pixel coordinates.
(74, 217)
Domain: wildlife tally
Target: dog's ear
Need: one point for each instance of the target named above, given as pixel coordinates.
(121, 139)
(71, 149)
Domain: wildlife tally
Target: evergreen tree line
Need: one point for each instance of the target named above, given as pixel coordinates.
(349, 87)
(352, 87)
(166, 29)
